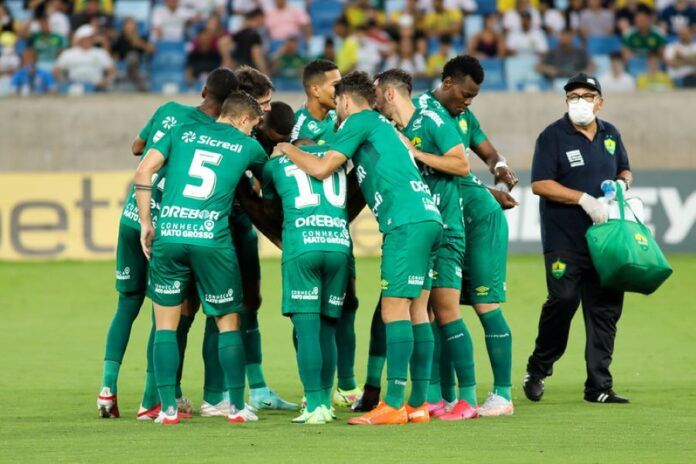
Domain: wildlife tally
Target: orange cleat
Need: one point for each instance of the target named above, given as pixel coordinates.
(383, 414)
(461, 411)
(419, 415)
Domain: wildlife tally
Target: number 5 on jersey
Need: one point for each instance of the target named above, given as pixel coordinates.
(200, 171)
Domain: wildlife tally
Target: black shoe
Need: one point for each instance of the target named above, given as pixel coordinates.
(368, 401)
(533, 387)
(606, 397)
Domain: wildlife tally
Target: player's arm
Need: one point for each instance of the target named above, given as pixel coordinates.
(319, 168)
(452, 162)
(151, 163)
(356, 201)
(268, 225)
(138, 146)
(496, 163)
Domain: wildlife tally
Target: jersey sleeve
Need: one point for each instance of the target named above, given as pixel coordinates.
(257, 159)
(267, 184)
(443, 133)
(621, 155)
(164, 144)
(477, 134)
(349, 137)
(545, 160)
(298, 129)
(147, 129)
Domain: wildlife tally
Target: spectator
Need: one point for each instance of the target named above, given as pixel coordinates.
(528, 41)
(359, 52)
(644, 38)
(329, 50)
(58, 20)
(566, 60)
(205, 8)
(572, 14)
(84, 63)
(93, 13)
(9, 61)
(489, 42)
(552, 20)
(406, 59)
(512, 19)
(465, 6)
(248, 45)
(284, 21)
(30, 79)
(596, 21)
(678, 15)
(47, 45)
(360, 12)
(437, 60)
(680, 57)
(130, 48)
(625, 16)
(654, 79)
(443, 21)
(106, 6)
(208, 49)
(7, 22)
(411, 15)
(617, 79)
(288, 62)
(169, 21)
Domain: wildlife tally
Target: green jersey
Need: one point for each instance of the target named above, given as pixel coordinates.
(314, 211)
(306, 126)
(477, 201)
(431, 133)
(386, 171)
(204, 165)
(168, 116)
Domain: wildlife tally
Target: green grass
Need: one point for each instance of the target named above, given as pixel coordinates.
(55, 315)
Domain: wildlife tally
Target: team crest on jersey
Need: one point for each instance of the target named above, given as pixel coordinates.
(312, 125)
(463, 126)
(558, 269)
(610, 145)
(188, 136)
(169, 122)
(416, 141)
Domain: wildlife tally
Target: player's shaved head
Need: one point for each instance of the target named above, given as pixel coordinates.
(315, 72)
(220, 83)
(240, 103)
(254, 82)
(357, 85)
(281, 118)
(397, 78)
(461, 66)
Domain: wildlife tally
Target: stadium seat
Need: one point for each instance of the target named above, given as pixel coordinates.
(315, 47)
(167, 81)
(494, 74)
(324, 14)
(284, 84)
(602, 63)
(486, 6)
(235, 22)
(603, 45)
(169, 56)
(520, 74)
(391, 6)
(138, 9)
(18, 11)
(473, 24)
(637, 65)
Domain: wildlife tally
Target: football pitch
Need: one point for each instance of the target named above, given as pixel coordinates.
(54, 320)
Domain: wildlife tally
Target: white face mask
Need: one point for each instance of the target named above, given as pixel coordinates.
(581, 112)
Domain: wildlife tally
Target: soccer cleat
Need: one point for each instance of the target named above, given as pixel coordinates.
(245, 415)
(107, 404)
(149, 414)
(419, 415)
(368, 401)
(533, 387)
(496, 405)
(461, 411)
(346, 398)
(214, 410)
(170, 417)
(383, 414)
(316, 417)
(608, 397)
(329, 413)
(185, 407)
(265, 398)
(440, 408)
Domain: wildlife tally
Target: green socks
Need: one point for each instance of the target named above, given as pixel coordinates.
(166, 357)
(377, 351)
(117, 337)
(231, 354)
(251, 336)
(434, 389)
(345, 345)
(182, 339)
(150, 395)
(329, 356)
(448, 383)
(457, 341)
(399, 351)
(499, 346)
(309, 356)
(214, 378)
(421, 363)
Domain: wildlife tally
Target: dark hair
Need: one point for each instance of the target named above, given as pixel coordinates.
(357, 84)
(397, 78)
(314, 72)
(616, 56)
(461, 66)
(281, 118)
(239, 103)
(253, 13)
(446, 39)
(220, 83)
(644, 9)
(254, 82)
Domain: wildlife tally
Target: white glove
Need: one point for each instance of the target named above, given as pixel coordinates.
(622, 185)
(597, 210)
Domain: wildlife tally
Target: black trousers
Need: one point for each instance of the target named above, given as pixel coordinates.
(572, 279)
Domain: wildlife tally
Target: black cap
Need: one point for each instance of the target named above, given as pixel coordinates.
(583, 80)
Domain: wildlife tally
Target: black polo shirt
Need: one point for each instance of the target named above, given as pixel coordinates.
(565, 155)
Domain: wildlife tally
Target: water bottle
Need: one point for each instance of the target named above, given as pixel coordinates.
(609, 190)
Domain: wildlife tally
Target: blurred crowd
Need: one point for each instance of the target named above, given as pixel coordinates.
(98, 45)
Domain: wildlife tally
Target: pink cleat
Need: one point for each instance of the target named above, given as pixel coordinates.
(461, 411)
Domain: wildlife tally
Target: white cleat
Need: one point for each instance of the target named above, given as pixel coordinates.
(245, 415)
(215, 410)
(170, 417)
(496, 405)
(107, 404)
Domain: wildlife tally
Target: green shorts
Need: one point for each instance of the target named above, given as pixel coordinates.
(131, 263)
(485, 260)
(175, 268)
(449, 262)
(315, 283)
(246, 242)
(408, 255)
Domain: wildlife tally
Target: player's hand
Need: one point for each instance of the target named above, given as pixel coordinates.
(278, 150)
(597, 210)
(505, 200)
(505, 175)
(147, 235)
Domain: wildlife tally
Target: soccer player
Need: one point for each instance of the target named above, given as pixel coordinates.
(388, 180)
(316, 121)
(316, 254)
(442, 159)
(192, 245)
(131, 264)
(483, 284)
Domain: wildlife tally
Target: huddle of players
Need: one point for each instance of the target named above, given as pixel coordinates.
(444, 239)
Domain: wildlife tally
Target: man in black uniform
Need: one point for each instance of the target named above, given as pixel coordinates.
(571, 159)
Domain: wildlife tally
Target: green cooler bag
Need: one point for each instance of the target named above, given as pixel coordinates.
(625, 254)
